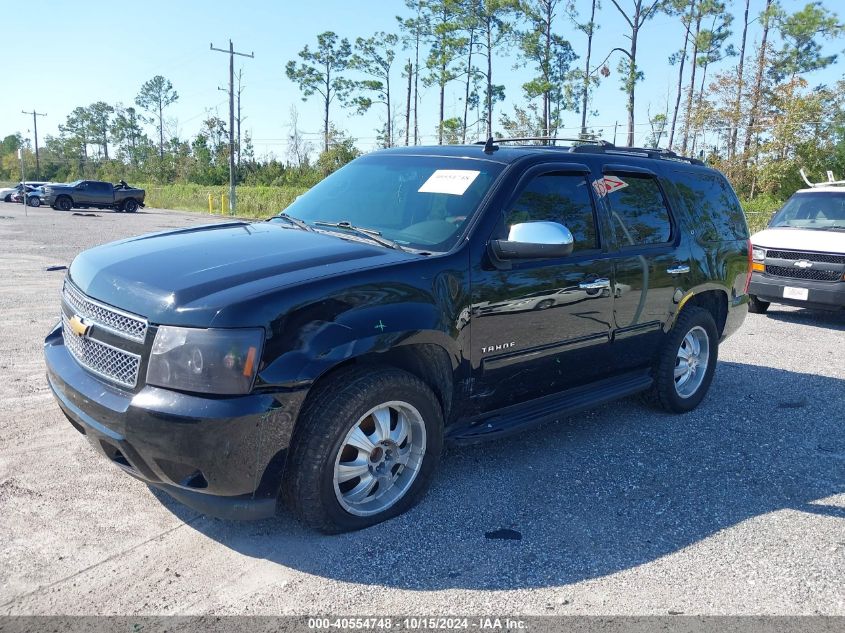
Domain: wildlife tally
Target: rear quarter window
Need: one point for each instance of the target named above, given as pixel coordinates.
(639, 213)
(714, 209)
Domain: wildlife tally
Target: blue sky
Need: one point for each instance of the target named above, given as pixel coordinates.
(81, 52)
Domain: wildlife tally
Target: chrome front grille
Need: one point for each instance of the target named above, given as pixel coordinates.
(116, 321)
(812, 274)
(825, 258)
(108, 362)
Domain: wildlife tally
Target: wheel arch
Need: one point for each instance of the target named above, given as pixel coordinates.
(714, 300)
(429, 362)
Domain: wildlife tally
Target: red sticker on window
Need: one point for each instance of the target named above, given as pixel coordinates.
(608, 184)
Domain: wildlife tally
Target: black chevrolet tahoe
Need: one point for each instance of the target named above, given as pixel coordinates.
(320, 360)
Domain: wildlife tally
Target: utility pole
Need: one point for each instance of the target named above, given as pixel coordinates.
(35, 116)
(240, 89)
(232, 52)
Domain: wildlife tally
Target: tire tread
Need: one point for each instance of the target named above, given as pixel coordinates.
(314, 436)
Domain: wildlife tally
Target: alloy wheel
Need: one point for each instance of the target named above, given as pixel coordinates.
(379, 458)
(691, 362)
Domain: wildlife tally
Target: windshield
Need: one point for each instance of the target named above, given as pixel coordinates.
(422, 202)
(812, 210)
(74, 183)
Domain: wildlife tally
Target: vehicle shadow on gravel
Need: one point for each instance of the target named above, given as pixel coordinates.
(816, 318)
(591, 495)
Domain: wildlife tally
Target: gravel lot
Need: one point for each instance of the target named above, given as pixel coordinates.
(736, 508)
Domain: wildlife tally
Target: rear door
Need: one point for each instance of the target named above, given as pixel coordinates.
(102, 193)
(650, 265)
(543, 325)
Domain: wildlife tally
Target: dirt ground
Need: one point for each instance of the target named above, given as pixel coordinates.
(736, 508)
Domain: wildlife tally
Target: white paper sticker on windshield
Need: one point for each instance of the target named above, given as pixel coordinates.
(452, 181)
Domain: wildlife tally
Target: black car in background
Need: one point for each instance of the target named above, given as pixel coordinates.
(93, 193)
(319, 360)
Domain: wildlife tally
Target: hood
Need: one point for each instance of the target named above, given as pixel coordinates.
(186, 277)
(790, 239)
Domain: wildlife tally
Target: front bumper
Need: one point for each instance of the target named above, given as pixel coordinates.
(825, 295)
(222, 456)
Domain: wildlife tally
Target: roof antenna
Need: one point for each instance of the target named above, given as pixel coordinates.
(490, 146)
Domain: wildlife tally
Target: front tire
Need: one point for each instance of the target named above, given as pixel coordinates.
(64, 203)
(757, 306)
(687, 362)
(365, 449)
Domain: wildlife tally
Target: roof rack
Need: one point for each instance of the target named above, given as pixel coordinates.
(599, 146)
(830, 180)
(646, 152)
(491, 144)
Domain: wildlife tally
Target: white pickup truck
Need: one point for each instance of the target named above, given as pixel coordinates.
(799, 259)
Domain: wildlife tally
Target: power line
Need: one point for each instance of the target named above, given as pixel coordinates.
(232, 52)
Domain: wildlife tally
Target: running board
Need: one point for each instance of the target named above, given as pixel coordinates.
(503, 422)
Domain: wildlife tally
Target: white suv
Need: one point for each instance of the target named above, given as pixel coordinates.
(799, 259)
(6, 193)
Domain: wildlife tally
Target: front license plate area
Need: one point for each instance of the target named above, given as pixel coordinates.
(799, 294)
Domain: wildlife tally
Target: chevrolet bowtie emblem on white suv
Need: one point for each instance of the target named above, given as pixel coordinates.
(803, 264)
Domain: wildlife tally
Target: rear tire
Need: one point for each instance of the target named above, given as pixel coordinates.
(687, 362)
(365, 449)
(35, 202)
(130, 205)
(757, 306)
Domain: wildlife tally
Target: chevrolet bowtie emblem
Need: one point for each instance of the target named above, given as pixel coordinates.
(803, 264)
(79, 328)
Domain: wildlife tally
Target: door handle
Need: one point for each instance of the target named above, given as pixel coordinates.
(595, 284)
(680, 269)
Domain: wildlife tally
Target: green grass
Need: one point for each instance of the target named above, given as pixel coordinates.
(252, 202)
(759, 211)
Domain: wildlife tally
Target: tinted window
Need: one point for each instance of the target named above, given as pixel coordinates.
(420, 201)
(103, 187)
(813, 210)
(561, 198)
(716, 212)
(638, 211)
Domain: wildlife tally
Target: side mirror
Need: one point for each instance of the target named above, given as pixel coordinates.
(534, 240)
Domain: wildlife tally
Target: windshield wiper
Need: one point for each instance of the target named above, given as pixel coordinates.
(301, 224)
(372, 234)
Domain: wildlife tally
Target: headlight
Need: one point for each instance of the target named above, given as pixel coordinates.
(758, 254)
(205, 361)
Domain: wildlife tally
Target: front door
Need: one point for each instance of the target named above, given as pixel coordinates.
(542, 325)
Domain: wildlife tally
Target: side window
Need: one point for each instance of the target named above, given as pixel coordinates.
(713, 206)
(639, 215)
(561, 198)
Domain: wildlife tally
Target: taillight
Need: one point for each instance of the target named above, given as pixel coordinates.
(748, 274)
